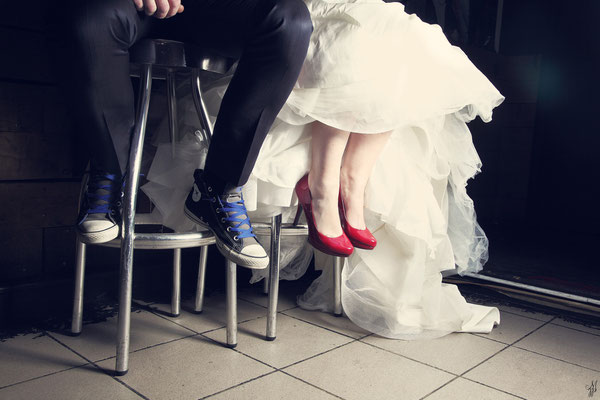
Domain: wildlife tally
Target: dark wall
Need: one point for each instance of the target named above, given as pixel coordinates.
(566, 166)
(539, 154)
(38, 181)
(41, 157)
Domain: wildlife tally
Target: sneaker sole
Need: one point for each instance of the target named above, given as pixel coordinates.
(228, 252)
(99, 237)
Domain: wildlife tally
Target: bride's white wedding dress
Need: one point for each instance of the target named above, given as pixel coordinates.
(372, 68)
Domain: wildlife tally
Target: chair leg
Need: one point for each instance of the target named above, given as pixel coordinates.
(128, 226)
(172, 106)
(176, 291)
(265, 287)
(201, 107)
(337, 286)
(274, 277)
(76, 322)
(231, 269)
(199, 303)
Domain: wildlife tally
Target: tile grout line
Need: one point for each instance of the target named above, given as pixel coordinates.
(239, 323)
(553, 317)
(435, 390)
(159, 314)
(266, 307)
(525, 316)
(238, 385)
(237, 351)
(311, 384)
(156, 345)
(291, 308)
(45, 333)
(557, 359)
(322, 327)
(130, 388)
(102, 370)
(319, 354)
(544, 323)
(252, 302)
(408, 358)
(493, 340)
(532, 332)
(495, 388)
(42, 376)
(578, 330)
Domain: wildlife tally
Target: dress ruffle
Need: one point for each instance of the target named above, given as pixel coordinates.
(372, 68)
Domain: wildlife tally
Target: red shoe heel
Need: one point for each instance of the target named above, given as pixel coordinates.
(361, 238)
(339, 246)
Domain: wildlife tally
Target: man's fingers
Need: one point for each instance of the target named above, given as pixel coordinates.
(159, 8)
(162, 8)
(174, 7)
(139, 4)
(150, 7)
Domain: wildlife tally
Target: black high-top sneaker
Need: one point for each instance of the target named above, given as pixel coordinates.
(100, 210)
(226, 216)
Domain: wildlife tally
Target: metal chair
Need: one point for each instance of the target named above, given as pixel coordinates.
(159, 59)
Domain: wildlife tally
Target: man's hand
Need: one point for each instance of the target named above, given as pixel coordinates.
(159, 8)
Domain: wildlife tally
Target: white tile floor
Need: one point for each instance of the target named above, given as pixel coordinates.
(316, 356)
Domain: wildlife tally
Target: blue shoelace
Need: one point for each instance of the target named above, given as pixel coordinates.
(237, 210)
(101, 203)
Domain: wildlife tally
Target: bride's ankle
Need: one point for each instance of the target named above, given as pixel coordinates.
(353, 196)
(322, 188)
(351, 184)
(325, 213)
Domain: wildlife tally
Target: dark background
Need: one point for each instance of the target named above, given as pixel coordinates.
(536, 198)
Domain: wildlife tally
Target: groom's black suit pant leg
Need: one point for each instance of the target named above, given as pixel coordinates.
(270, 38)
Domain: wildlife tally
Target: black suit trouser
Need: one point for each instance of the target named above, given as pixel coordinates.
(269, 37)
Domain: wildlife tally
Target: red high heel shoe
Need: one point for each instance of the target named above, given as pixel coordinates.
(361, 238)
(338, 246)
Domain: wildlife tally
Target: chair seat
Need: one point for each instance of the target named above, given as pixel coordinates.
(174, 54)
(163, 241)
(261, 228)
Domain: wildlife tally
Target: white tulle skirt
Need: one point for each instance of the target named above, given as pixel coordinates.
(372, 68)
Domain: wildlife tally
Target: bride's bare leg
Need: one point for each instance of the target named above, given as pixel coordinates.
(328, 146)
(359, 159)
